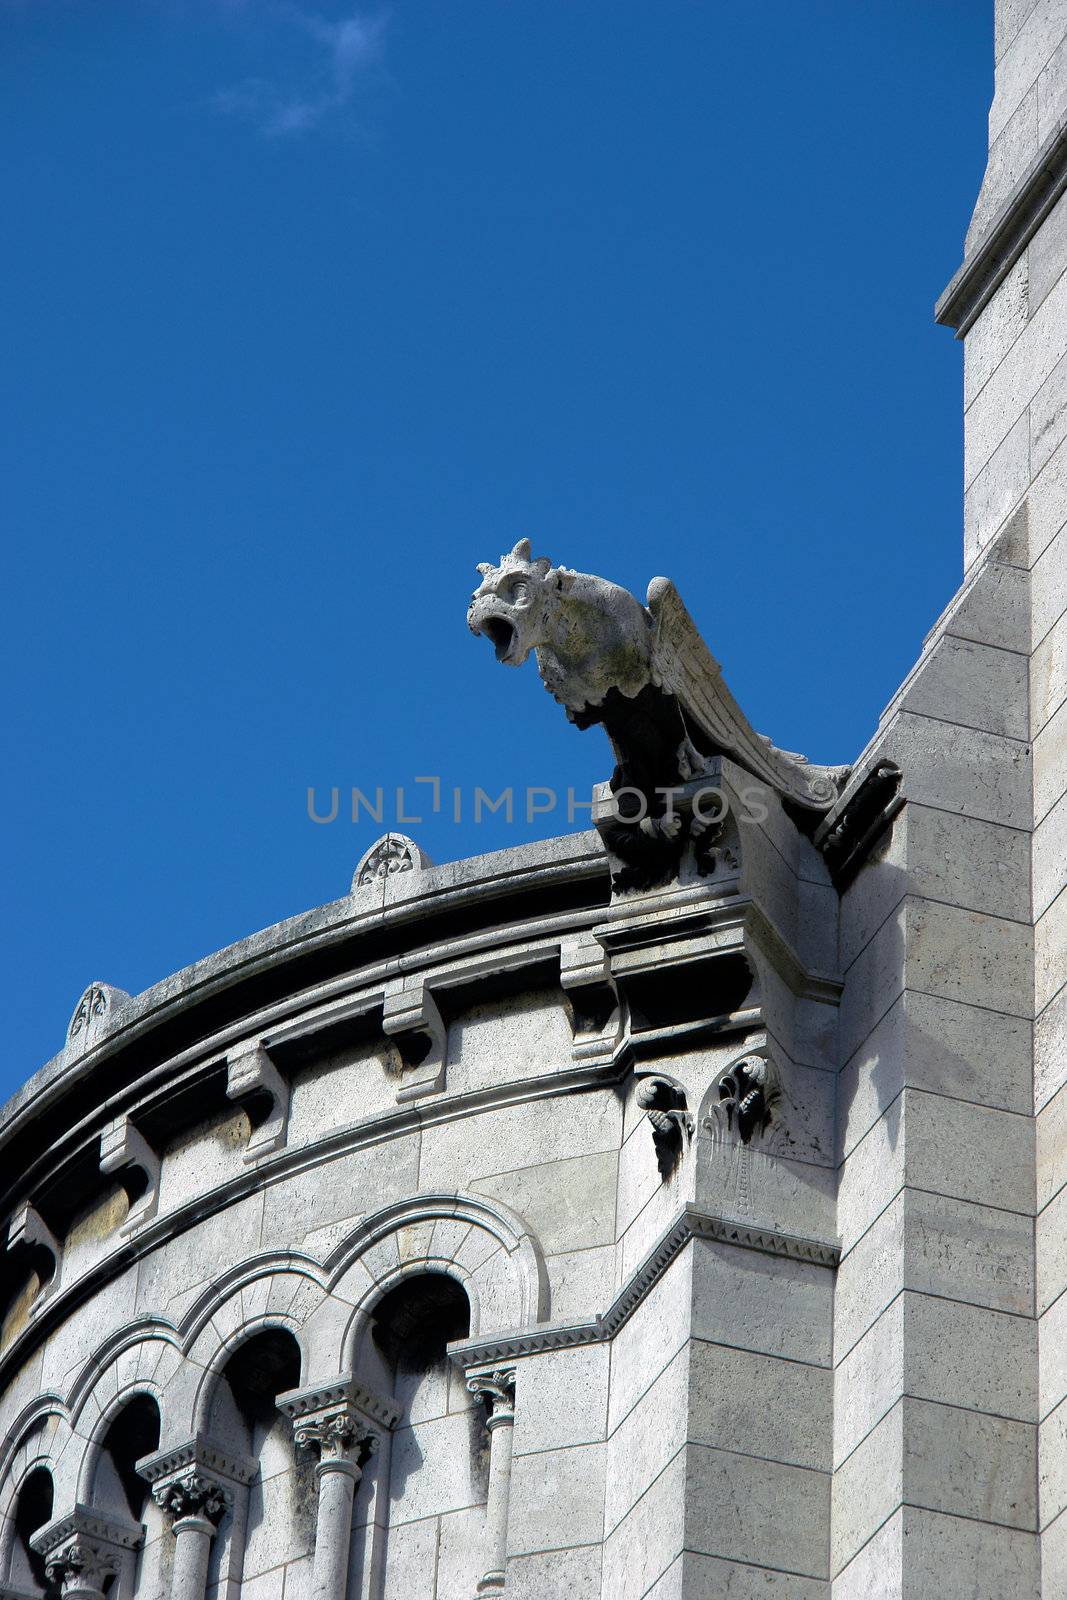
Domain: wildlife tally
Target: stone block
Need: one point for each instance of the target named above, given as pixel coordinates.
(759, 1512)
(1049, 586)
(581, 1283)
(1050, 1049)
(959, 1558)
(872, 982)
(872, 1175)
(962, 769)
(567, 1205)
(506, 1040)
(1047, 253)
(969, 957)
(1011, 151)
(1048, 674)
(972, 685)
(759, 1404)
(433, 1462)
(562, 1399)
(768, 1304)
(574, 1573)
(1050, 1250)
(647, 1541)
(969, 1152)
(1049, 857)
(997, 490)
(457, 1154)
(749, 1185)
(412, 1554)
(646, 1440)
(968, 1464)
(1046, 502)
(979, 866)
(1052, 1481)
(937, 1246)
(867, 1488)
(869, 1381)
(1052, 91)
(649, 1339)
(1051, 1131)
(1050, 952)
(969, 1356)
(876, 891)
(557, 1499)
(1020, 60)
(876, 1572)
(1052, 1347)
(989, 339)
(994, 606)
(935, 1044)
(1009, 390)
(462, 1554)
(707, 1578)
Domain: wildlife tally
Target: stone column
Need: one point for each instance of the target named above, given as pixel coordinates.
(344, 1445)
(497, 1389)
(342, 1420)
(197, 1502)
(195, 1483)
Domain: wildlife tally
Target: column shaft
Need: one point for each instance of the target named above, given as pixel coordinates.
(192, 1551)
(333, 1531)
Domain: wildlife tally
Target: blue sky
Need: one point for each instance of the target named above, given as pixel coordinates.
(306, 311)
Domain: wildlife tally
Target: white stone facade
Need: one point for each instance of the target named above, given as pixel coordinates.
(508, 1228)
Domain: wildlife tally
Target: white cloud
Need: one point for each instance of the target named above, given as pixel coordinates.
(341, 54)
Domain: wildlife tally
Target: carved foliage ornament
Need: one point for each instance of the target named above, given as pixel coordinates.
(748, 1094)
(387, 856)
(81, 1561)
(194, 1494)
(644, 674)
(671, 1122)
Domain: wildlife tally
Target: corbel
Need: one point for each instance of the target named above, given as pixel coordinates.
(252, 1077)
(413, 1022)
(29, 1232)
(128, 1154)
(586, 980)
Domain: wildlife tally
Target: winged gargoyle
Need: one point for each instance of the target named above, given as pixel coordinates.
(647, 677)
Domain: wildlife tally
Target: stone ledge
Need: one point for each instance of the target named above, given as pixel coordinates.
(690, 1224)
(1022, 214)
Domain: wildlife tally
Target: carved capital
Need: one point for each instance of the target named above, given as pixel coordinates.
(193, 1493)
(83, 1550)
(497, 1389)
(80, 1566)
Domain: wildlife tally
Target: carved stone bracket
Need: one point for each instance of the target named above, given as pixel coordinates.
(29, 1233)
(848, 835)
(596, 1016)
(127, 1153)
(252, 1077)
(83, 1550)
(411, 1019)
(672, 1125)
(749, 1090)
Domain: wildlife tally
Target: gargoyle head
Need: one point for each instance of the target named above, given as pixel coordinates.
(511, 605)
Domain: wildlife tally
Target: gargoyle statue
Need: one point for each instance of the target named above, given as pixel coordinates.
(646, 676)
(671, 1122)
(747, 1097)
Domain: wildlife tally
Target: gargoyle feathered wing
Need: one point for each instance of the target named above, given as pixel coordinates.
(683, 665)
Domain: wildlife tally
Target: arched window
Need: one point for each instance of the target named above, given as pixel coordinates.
(118, 1490)
(275, 1527)
(438, 1464)
(33, 1509)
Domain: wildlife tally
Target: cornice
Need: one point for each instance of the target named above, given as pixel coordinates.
(90, 1523)
(198, 1454)
(344, 1393)
(690, 1224)
(1016, 223)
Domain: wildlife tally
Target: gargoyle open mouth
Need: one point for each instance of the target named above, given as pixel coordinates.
(501, 635)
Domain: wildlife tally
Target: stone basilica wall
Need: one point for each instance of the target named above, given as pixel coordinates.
(517, 1227)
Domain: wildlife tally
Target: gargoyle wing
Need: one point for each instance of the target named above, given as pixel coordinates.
(683, 665)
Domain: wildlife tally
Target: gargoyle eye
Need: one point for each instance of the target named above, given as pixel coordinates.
(520, 593)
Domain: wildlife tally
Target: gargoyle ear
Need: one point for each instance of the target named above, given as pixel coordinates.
(521, 551)
(542, 566)
(485, 568)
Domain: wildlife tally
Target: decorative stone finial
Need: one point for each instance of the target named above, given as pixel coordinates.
(392, 853)
(92, 1014)
(646, 676)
